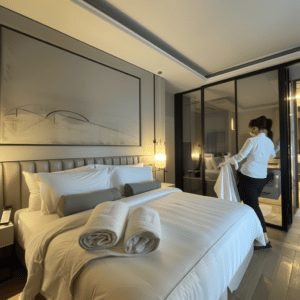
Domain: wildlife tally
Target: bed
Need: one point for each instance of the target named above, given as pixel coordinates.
(206, 246)
(211, 166)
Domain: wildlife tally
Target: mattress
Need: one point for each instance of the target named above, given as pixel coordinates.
(205, 242)
(26, 222)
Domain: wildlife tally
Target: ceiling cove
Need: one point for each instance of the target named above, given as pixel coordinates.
(116, 17)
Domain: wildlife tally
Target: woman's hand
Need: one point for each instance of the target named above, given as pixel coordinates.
(222, 164)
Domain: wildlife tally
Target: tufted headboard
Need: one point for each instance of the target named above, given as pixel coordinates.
(13, 188)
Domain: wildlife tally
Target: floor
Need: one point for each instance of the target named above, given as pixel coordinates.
(275, 216)
(15, 285)
(273, 274)
(11, 288)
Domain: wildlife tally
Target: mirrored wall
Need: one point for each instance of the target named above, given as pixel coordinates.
(219, 130)
(215, 120)
(191, 114)
(258, 96)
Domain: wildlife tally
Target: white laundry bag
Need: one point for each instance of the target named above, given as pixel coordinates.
(225, 186)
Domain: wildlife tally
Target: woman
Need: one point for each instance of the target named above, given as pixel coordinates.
(257, 150)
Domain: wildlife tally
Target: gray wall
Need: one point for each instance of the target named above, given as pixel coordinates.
(32, 28)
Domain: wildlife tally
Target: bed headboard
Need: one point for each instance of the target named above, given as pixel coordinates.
(14, 190)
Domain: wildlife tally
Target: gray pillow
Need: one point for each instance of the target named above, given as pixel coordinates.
(131, 189)
(72, 204)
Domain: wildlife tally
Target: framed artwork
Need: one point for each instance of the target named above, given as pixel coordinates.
(51, 96)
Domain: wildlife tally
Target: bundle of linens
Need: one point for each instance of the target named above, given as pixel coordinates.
(97, 187)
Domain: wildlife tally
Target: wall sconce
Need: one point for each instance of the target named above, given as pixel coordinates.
(195, 156)
(160, 163)
(160, 160)
(232, 124)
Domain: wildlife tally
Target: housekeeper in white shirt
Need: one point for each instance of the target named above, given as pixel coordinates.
(257, 150)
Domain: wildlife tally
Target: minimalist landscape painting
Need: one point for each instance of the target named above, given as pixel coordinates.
(50, 96)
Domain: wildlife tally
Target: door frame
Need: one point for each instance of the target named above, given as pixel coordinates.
(285, 152)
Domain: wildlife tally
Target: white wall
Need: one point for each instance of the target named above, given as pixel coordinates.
(15, 153)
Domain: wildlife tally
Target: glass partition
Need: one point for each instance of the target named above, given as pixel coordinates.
(294, 103)
(191, 114)
(257, 96)
(219, 130)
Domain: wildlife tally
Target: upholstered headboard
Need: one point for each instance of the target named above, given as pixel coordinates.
(13, 188)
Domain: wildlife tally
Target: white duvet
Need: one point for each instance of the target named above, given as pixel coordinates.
(204, 241)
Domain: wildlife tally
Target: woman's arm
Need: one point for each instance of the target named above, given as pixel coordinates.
(234, 160)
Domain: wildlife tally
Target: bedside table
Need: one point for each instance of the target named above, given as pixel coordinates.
(6, 251)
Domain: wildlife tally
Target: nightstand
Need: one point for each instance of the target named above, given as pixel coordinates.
(6, 251)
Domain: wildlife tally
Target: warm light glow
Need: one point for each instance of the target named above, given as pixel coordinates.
(296, 97)
(160, 160)
(195, 156)
(232, 124)
(160, 157)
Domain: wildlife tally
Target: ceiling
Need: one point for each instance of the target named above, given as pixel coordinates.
(191, 42)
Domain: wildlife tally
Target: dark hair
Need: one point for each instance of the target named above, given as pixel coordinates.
(263, 123)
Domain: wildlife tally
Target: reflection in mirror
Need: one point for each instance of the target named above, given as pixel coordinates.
(191, 102)
(220, 131)
(258, 96)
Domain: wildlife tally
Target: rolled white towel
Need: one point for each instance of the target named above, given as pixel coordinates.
(105, 226)
(143, 231)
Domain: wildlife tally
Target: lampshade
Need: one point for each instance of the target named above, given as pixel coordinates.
(195, 156)
(160, 160)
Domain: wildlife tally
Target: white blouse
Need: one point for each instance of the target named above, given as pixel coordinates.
(258, 150)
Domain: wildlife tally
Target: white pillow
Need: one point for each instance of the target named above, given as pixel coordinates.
(121, 176)
(208, 164)
(34, 188)
(54, 185)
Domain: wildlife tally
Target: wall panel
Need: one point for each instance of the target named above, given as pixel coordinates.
(37, 30)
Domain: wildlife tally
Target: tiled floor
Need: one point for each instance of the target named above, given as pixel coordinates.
(274, 274)
(275, 216)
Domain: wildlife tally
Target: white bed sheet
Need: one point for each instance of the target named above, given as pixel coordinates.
(205, 241)
(26, 222)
